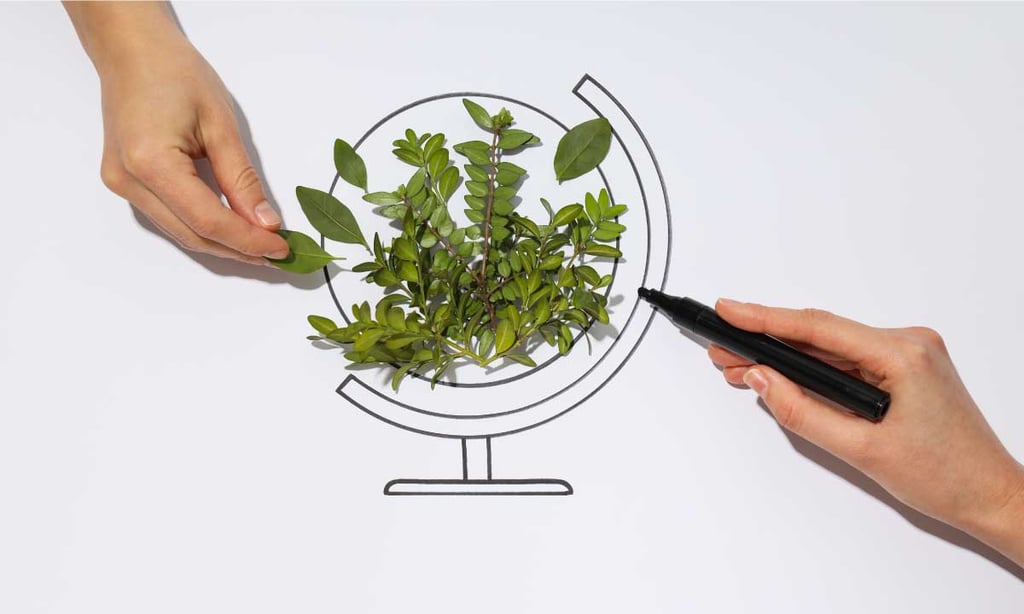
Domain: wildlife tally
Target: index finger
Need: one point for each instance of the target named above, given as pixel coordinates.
(172, 177)
(841, 337)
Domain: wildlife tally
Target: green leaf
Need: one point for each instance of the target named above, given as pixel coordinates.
(486, 343)
(382, 198)
(477, 188)
(476, 173)
(513, 138)
(349, 165)
(547, 207)
(404, 248)
(417, 183)
(433, 145)
(604, 251)
(593, 209)
(394, 212)
(476, 202)
(366, 267)
(367, 339)
(566, 214)
(505, 337)
(326, 213)
(437, 162)
(502, 207)
(582, 148)
(321, 324)
(400, 374)
(305, 256)
(522, 359)
(479, 114)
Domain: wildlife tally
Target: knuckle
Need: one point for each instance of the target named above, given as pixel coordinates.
(788, 414)
(914, 353)
(929, 337)
(141, 160)
(814, 316)
(247, 179)
(114, 176)
(206, 226)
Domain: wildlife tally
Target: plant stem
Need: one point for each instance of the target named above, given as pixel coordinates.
(492, 174)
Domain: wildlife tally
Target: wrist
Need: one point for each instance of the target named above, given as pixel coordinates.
(113, 33)
(1002, 525)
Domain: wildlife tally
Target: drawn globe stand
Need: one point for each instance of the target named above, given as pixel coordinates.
(474, 406)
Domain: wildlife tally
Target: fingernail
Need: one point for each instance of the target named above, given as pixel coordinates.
(756, 380)
(266, 215)
(279, 254)
(728, 301)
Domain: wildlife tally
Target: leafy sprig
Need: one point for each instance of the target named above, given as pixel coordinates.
(487, 291)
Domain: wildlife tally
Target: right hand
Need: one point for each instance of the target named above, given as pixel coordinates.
(934, 450)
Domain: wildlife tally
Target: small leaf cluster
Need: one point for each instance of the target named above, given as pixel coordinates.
(489, 290)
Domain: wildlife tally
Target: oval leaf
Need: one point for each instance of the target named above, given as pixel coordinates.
(566, 214)
(479, 114)
(605, 251)
(321, 324)
(583, 148)
(382, 198)
(305, 256)
(326, 213)
(349, 165)
(505, 337)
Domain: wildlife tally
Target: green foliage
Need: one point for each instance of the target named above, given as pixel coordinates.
(583, 148)
(480, 292)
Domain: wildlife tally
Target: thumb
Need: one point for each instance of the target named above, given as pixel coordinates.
(796, 411)
(238, 179)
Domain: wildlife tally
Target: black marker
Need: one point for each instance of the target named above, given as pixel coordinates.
(862, 398)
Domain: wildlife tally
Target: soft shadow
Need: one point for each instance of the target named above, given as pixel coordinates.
(922, 522)
(840, 468)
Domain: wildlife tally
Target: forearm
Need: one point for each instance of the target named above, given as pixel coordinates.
(113, 32)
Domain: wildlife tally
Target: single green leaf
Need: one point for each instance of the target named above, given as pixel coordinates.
(305, 256)
(593, 209)
(477, 188)
(400, 374)
(479, 114)
(476, 173)
(505, 337)
(583, 148)
(432, 145)
(366, 267)
(328, 215)
(566, 214)
(522, 359)
(437, 162)
(321, 324)
(514, 138)
(382, 198)
(349, 165)
(604, 251)
(404, 248)
(394, 212)
(486, 343)
(367, 339)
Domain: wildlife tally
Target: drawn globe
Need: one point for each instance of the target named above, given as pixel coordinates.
(474, 403)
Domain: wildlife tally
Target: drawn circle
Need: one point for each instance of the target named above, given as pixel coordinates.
(522, 372)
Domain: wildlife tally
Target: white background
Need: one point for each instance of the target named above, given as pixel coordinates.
(169, 442)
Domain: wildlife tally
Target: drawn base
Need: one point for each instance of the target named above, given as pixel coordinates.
(532, 486)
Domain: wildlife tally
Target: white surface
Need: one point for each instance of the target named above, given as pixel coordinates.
(170, 443)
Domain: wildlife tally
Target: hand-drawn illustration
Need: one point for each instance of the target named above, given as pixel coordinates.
(478, 408)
